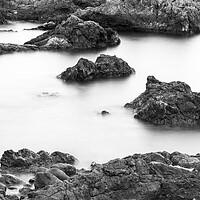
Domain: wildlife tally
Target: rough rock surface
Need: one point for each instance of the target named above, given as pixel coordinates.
(25, 158)
(169, 16)
(150, 176)
(75, 33)
(171, 104)
(105, 67)
(88, 3)
(43, 10)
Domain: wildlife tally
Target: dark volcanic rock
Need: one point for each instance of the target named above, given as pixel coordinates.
(105, 67)
(169, 16)
(171, 104)
(75, 33)
(25, 158)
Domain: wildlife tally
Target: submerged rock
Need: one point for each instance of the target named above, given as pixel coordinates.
(75, 33)
(105, 67)
(169, 16)
(171, 104)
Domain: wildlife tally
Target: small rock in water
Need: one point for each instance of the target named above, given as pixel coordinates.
(47, 94)
(104, 112)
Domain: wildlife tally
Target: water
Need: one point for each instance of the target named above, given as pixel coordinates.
(69, 122)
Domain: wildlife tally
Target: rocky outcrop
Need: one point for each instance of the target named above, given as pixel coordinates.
(150, 176)
(76, 34)
(171, 104)
(43, 10)
(25, 158)
(168, 16)
(105, 67)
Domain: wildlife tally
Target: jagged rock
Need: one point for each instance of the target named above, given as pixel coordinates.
(170, 16)
(25, 158)
(105, 67)
(75, 33)
(70, 170)
(171, 104)
(149, 176)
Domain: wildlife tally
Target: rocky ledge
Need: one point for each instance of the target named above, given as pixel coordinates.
(75, 33)
(105, 66)
(150, 176)
(168, 16)
(170, 104)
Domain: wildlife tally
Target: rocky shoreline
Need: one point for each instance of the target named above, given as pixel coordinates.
(152, 176)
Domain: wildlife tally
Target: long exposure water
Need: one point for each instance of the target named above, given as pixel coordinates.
(69, 121)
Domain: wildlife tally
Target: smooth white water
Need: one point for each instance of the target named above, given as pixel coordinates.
(70, 121)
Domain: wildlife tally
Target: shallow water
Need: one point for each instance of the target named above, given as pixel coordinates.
(69, 121)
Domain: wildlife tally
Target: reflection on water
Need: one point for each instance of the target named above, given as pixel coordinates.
(70, 122)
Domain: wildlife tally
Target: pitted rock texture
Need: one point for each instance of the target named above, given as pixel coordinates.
(171, 104)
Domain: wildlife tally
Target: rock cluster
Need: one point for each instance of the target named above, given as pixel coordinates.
(75, 33)
(171, 104)
(25, 158)
(169, 16)
(150, 176)
(105, 66)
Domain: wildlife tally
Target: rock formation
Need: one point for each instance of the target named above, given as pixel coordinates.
(76, 34)
(105, 67)
(150, 176)
(168, 16)
(171, 104)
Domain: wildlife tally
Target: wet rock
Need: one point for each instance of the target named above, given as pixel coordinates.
(25, 158)
(2, 189)
(12, 197)
(104, 112)
(75, 33)
(45, 27)
(68, 169)
(10, 180)
(148, 16)
(58, 173)
(43, 179)
(170, 104)
(105, 67)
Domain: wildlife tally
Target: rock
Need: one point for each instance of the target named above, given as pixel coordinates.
(170, 104)
(12, 197)
(88, 3)
(177, 17)
(2, 189)
(184, 160)
(43, 10)
(75, 33)
(68, 169)
(105, 67)
(45, 27)
(26, 159)
(43, 179)
(10, 180)
(59, 157)
(104, 112)
(58, 173)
